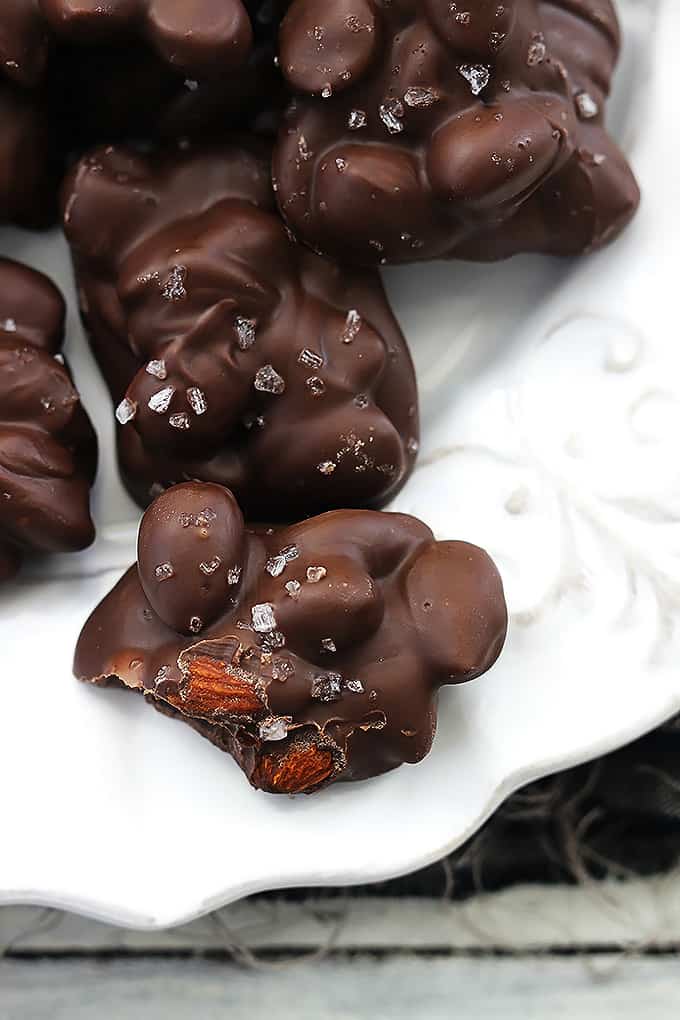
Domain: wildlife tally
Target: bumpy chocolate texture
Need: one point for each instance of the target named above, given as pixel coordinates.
(23, 42)
(233, 354)
(312, 654)
(429, 129)
(174, 70)
(47, 445)
(193, 35)
(26, 173)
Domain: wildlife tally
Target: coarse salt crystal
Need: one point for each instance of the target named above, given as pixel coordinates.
(126, 411)
(263, 618)
(160, 402)
(316, 574)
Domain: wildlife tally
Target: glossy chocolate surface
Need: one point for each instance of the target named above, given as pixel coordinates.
(47, 445)
(428, 129)
(145, 88)
(233, 354)
(192, 35)
(313, 653)
(27, 173)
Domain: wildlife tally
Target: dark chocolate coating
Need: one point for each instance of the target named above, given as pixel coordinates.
(27, 179)
(200, 309)
(24, 42)
(28, 183)
(48, 449)
(428, 129)
(313, 653)
(140, 94)
(196, 36)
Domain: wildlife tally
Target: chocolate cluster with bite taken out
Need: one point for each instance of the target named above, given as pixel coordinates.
(428, 129)
(233, 354)
(27, 177)
(48, 449)
(313, 653)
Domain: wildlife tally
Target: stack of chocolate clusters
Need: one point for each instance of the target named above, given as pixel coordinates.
(231, 175)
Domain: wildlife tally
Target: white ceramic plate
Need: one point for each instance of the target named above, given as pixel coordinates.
(551, 405)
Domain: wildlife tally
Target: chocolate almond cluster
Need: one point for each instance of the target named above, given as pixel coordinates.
(313, 653)
(193, 35)
(26, 171)
(232, 353)
(48, 450)
(230, 290)
(428, 129)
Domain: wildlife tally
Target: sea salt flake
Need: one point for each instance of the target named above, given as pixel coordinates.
(353, 324)
(282, 669)
(268, 380)
(586, 106)
(148, 277)
(164, 571)
(328, 644)
(354, 25)
(274, 728)
(310, 358)
(8, 326)
(126, 411)
(180, 421)
(341, 164)
(391, 112)
(160, 401)
(355, 686)
(413, 446)
(316, 386)
(276, 565)
(327, 687)
(195, 624)
(326, 467)
(420, 98)
(356, 120)
(209, 567)
(476, 75)
(173, 289)
(263, 618)
(327, 91)
(246, 332)
(157, 369)
(293, 588)
(361, 401)
(316, 574)
(537, 50)
(303, 149)
(273, 640)
(197, 401)
(234, 575)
